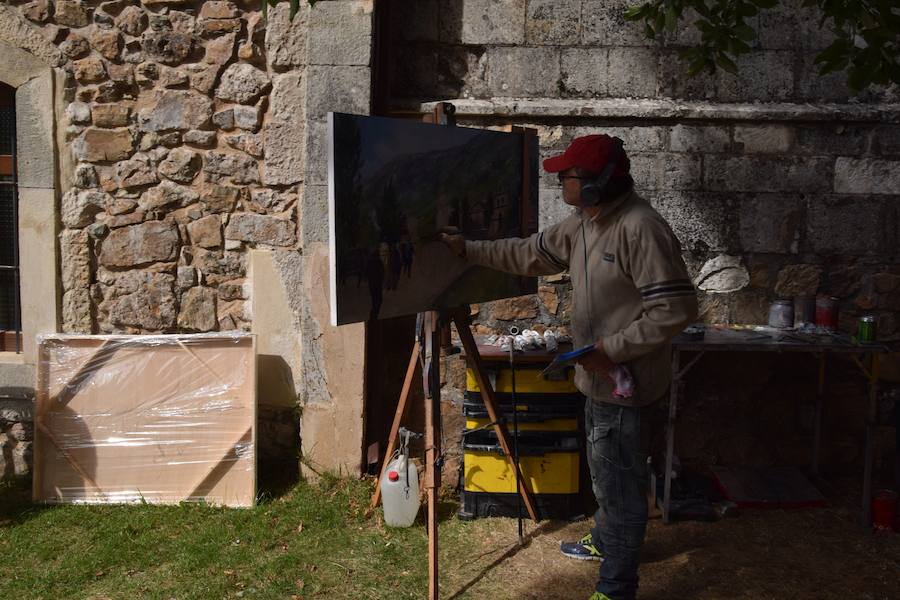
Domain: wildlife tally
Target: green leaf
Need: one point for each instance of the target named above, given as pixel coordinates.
(649, 31)
(765, 3)
(747, 10)
(636, 13)
(726, 63)
(745, 32)
(671, 19)
(295, 7)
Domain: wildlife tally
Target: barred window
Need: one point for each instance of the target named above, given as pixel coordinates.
(10, 312)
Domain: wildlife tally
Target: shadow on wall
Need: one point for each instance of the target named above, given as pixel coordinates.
(278, 426)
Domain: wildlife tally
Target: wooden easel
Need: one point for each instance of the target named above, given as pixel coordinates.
(432, 333)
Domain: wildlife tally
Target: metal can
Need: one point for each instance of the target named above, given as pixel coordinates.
(781, 314)
(804, 310)
(868, 329)
(827, 312)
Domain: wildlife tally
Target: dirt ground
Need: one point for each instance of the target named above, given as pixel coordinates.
(761, 554)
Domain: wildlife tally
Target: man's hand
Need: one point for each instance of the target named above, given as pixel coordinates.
(597, 361)
(454, 241)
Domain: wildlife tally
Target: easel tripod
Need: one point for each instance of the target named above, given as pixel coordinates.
(432, 328)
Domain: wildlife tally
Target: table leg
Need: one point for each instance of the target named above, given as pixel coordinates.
(670, 435)
(817, 425)
(870, 442)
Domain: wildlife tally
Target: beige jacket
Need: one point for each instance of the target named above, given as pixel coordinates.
(630, 288)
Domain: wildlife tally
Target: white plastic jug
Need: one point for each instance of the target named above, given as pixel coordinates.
(400, 492)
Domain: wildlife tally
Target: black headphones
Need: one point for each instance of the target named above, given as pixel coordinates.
(592, 191)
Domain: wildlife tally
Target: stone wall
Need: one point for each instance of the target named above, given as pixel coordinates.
(778, 182)
(197, 134)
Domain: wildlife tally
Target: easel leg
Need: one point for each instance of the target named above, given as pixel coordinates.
(432, 443)
(398, 419)
(487, 394)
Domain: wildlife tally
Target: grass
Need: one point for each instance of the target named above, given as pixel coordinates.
(312, 542)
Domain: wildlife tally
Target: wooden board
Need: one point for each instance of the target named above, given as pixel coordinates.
(161, 419)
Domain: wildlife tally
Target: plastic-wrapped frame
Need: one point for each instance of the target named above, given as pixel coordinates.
(150, 418)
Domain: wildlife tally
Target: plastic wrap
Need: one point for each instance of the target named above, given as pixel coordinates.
(150, 418)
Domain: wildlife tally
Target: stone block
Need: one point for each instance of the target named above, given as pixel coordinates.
(766, 76)
(176, 110)
(313, 215)
(814, 87)
(285, 161)
(680, 171)
(700, 138)
(866, 176)
(288, 98)
(462, 72)
(198, 310)
(483, 21)
(633, 72)
(768, 174)
(102, 145)
(604, 24)
(512, 309)
(242, 83)
(848, 225)
(639, 138)
(142, 244)
(553, 22)
(770, 223)
(674, 81)
(248, 118)
(585, 71)
(79, 113)
(416, 21)
(167, 195)
(167, 47)
(220, 198)
(107, 42)
(340, 33)
(646, 171)
(339, 89)
(212, 28)
(261, 229)
(240, 168)
(132, 20)
(763, 139)
(524, 71)
(250, 143)
(111, 115)
(72, 13)
(203, 139)
(286, 39)
(798, 280)
(701, 222)
(137, 171)
(75, 259)
(89, 70)
(837, 139)
(886, 140)
(180, 165)
(316, 153)
(150, 307)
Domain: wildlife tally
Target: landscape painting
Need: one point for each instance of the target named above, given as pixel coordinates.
(394, 185)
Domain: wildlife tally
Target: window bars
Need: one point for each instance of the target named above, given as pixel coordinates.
(10, 309)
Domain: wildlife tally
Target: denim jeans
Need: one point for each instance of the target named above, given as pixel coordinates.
(618, 443)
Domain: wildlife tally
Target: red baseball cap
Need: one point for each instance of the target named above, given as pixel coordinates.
(589, 152)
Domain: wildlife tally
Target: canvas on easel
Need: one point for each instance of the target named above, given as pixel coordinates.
(155, 418)
(394, 185)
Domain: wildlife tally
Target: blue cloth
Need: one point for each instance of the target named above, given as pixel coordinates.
(618, 443)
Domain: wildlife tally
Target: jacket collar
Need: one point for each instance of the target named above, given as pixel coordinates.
(609, 209)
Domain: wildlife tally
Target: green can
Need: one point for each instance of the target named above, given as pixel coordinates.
(868, 329)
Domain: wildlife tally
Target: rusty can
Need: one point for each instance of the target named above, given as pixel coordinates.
(827, 312)
(781, 314)
(868, 329)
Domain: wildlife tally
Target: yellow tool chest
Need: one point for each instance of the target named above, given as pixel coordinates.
(550, 443)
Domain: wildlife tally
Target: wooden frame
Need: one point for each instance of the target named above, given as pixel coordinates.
(159, 419)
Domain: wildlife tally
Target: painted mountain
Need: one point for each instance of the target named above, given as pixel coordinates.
(393, 186)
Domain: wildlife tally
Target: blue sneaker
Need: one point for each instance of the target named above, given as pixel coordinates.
(583, 549)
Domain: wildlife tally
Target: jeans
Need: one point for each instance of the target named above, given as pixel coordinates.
(618, 443)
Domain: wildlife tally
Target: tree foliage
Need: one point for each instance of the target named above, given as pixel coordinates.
(866, 45)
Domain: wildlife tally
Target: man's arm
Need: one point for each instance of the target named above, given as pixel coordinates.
(544, 253)
(668, 295)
